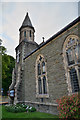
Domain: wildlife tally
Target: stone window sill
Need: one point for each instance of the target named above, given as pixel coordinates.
(42, 96)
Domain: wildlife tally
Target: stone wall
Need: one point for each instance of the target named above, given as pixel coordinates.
(53, 54)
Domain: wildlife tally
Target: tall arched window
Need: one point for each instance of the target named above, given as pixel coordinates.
(41, 77)
(71, 54)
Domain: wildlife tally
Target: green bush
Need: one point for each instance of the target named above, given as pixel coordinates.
(21, 105)
(19, 108)
(31, 109)
(15, 109)
(69, 106)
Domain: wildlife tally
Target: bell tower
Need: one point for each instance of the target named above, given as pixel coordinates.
(25, 47)
(26, 30)
(26, 40)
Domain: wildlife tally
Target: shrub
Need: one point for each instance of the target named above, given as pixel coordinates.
(69, 106)
(31, 109)
(15, 109)
(21, 105)
(19, 108)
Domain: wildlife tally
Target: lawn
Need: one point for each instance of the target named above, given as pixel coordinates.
(6, 114)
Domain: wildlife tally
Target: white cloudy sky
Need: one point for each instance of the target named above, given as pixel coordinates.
(47, 18)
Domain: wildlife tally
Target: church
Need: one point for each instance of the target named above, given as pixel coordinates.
(47, 71)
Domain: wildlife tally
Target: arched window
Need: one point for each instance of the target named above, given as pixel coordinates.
(30, 33)
(71, 54)
(24, 33)
(41, 77)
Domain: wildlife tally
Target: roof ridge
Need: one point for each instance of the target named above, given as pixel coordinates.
(55, 35)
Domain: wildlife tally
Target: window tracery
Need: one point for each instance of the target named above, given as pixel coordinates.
(71, 54)
(41, 77)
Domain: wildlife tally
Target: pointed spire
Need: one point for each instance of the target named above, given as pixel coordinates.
(26, 22)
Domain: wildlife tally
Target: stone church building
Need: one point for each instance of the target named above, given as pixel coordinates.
(47, 71)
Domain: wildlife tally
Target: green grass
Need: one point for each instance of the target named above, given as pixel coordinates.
(0, 112)
(6, 114)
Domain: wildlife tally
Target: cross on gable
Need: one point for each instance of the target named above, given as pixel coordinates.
(43, 38)
(18, 54)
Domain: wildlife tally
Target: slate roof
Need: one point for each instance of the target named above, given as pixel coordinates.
(56, 35)
(26, 22)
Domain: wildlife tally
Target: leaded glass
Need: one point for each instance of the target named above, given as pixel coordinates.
(70, 57)
(39, 69)
(44, 85)
(76, 52)
(74, 80)
(30, 33)
(71, 41)
(41, 75)
(24, 33)
(79, 71)
(79, 53)
(43, 67)
(39, 86)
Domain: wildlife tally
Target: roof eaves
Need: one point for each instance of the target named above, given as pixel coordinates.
(54, 36)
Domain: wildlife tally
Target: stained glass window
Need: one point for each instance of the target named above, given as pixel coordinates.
(24, 33)
(70, 57)
(72, 52)
(79, 53)
(44, 85)
(39, 69)
(76, 53)
(30, 33)
(39, 86)
(74, 80)
(43, 67)
(41, 75)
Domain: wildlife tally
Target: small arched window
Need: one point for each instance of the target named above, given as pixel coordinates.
(41, 77)
(30, 33)
(24, 33)
(71, 53)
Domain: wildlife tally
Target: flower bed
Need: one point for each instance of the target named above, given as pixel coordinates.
(19, 108)
(69, 106)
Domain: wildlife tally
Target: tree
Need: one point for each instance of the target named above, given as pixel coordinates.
(8, 63)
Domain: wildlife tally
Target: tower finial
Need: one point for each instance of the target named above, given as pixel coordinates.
(27, 13)
(26, 22)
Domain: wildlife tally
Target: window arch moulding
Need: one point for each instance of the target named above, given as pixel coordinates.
(71, 59)
(42, 90)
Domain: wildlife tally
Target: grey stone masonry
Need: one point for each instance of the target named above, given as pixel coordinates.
(57, 85)
(25, 47)
(25, 76)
